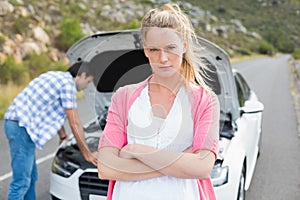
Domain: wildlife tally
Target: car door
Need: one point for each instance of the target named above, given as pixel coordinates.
(249, 123)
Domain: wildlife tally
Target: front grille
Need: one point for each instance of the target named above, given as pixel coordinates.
(89, 183)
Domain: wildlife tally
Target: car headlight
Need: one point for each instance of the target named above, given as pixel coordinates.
(63, 168)
(219, 175)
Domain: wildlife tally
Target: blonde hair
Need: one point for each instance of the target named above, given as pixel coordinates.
(171, 16)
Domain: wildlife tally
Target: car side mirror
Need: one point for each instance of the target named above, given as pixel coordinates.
(252, 107)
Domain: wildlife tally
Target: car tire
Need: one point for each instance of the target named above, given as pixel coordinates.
(242, 191)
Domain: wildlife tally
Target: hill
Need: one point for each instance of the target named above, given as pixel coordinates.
(277, 21)
(34, 35)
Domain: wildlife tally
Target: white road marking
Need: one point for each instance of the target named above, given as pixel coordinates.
(5, 176)
(38, 161)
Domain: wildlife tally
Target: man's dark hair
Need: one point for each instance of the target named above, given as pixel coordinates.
(78, 68)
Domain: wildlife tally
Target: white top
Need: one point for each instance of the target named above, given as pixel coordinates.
(175, 133)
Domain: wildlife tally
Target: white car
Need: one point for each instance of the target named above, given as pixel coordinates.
(116, 59)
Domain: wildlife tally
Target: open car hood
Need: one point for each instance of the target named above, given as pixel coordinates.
(117, 59)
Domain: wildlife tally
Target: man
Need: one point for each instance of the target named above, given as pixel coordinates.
(36, 115)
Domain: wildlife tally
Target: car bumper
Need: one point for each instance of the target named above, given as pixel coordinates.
(227, 191)
(69, 189)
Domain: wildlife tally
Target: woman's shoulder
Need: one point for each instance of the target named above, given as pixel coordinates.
(202, 97)
(130, 92)
(131, 88)
(126, 95)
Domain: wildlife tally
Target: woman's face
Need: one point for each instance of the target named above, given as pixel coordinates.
(164, 49)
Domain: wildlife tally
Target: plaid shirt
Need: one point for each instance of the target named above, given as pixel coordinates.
(40, 107)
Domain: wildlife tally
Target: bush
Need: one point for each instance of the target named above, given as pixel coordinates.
(221, 10)
(71, 32)
(242, 51)
(11, 71)
(134, 24)
(280, 41)
(266, 48)
(2, 40)
(296, 53)
(20, 25)
(58, 66)
(285, 45)
(36, 64)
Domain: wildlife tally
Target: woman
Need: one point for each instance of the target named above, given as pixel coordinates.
(161, 136)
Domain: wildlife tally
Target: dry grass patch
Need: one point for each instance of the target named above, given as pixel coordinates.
(8, 93)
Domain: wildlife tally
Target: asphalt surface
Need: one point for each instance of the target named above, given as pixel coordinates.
(277, 173)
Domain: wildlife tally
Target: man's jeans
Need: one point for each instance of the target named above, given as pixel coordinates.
(24, 170)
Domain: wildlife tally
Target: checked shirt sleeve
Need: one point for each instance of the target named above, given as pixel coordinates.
(68, 95)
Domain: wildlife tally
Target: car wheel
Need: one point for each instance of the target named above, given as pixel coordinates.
(242, 191)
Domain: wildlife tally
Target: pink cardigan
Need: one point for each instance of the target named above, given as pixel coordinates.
(205, 113)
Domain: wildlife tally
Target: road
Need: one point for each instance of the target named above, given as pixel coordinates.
(277, 172)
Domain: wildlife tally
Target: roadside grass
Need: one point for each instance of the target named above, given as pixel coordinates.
(236, 59)
(8, 93)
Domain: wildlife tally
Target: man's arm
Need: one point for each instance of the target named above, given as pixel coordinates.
(78, 132)
(62, 134)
